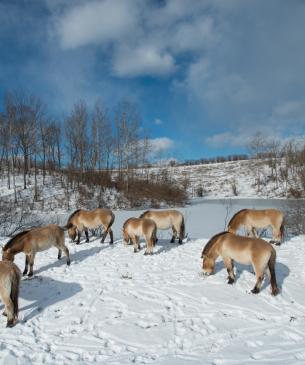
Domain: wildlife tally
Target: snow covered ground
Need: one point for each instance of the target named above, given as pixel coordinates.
(112, 306)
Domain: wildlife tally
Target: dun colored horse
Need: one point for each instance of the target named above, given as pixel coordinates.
(244, 250)
(82, 220)
(10, 277)
(252, 219)
(166, 219)
(133, 228)
(35, 240)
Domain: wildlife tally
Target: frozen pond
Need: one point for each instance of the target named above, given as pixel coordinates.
(203, 217)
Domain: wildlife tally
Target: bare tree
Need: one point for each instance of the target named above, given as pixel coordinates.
(257, 147)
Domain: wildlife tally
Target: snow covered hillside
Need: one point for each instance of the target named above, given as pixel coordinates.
(112, 306)
(218, 180)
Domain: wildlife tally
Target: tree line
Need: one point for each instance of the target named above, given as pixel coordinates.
(87, 148)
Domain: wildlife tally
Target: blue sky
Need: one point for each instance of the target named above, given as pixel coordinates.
(205, 74)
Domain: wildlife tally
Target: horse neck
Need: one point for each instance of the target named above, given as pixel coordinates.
(213, 252)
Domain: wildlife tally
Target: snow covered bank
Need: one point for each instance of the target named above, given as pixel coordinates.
(112, 306)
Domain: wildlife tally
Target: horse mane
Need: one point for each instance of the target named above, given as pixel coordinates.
(142, 215)
(234, 216)
(10, 243)
(211, 242)
(73, 214)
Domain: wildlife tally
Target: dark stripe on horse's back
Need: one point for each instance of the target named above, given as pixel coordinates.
(73, 214)
(211, 242)
(10, 243)
(234, 216)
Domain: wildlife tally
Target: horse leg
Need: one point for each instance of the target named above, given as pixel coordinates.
(111, 235)
(87, 235)
(31, 261)
(174, 235)
(25, 271)
(59, 254)
(104, 235)
(66, 251)
(254, 233)
(276, 236)
(259, 272)
(228, 262)
(149, 246)
(180, 236)
(78, 237)
(9, 309)
(135, 243)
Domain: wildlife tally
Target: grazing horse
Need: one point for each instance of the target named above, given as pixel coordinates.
(244, 250)
(133, 228)
(166, 219)
(10, 277)
(35, 240)
(252, 219)
(82, 220)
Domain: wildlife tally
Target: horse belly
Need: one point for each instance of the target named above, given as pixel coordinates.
(44, 245)
(163, 223)
(242, 257)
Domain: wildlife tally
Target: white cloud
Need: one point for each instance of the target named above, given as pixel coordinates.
(97, 22)
(161, 144)
(143, 61)
(228, 139)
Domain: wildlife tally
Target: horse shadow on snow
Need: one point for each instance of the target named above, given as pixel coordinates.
(76, 257)
(43, 292)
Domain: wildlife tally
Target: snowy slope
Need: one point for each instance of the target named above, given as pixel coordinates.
(112, 306)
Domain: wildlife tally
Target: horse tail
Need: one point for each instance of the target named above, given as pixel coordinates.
(15, 283)
(271, 267)
(282, 230)
(111, 221)
(154, 235)
(182, 229)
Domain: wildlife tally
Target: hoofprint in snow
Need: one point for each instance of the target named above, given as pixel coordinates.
(112, 306)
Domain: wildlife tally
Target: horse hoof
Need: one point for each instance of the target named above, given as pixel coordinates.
(255, 291)
(274, 292)
(68, 262)
(24, 273)
(30, 274)
(87, 241)
(230, 281)
(180, 242)
(10, 324)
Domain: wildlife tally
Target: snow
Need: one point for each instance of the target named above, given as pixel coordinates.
(113, 306)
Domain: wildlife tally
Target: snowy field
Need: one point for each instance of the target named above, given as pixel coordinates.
(112, 306)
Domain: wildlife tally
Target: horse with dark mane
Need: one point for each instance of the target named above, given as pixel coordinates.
(82, 220)
(252, 219)
(245, 250)
(35, 240)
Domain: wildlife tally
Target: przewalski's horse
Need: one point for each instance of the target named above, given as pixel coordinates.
(133, 228)
(35, 240)
(10, 277)
(82, 220)
(252, 219)
(166, 219)
(245, 250)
